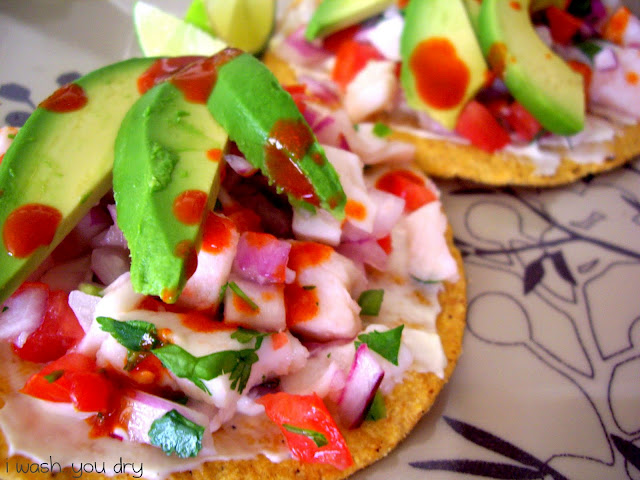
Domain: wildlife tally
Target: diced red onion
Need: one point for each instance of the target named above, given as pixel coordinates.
(299, 51)
(109, 263)
(144, 409)
(23, 313)
(240, 165)
(605, 60)
(67, 276)
(366, 252)
(111, 237)
(263, 262)
(324, 91)
(389, 209)
(113, 212)
(361, 386)
(83, 305)
(93, 223)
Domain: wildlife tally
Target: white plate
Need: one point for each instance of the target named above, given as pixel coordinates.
(549, 382)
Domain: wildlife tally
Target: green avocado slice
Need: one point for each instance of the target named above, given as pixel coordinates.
(264, 121)
(334, 15)
(166, 176)
(59, 166)
(538, 78)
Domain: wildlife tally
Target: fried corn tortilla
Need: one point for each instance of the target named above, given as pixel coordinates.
(445, 159)
(408, 402)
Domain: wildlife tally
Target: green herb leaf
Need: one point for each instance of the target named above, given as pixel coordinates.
(135, 335)
(318, 438)
(309, 287)
(11, 136)
(381, 130)
(378, 409)
(4, 309)
(238, 291)
(181, 363)
(386, 344)
(175, 434)
(245, 335)
(425, 282)
(370, 302)
(53, 376)
(590, 49)
(237, 363)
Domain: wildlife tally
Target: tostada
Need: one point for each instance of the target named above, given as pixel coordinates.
(526, 92)
(193, 286)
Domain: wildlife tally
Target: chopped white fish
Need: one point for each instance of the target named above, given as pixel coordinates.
(360, 210)
(619, 87)
(373, 90)
(6, 138)
(202, 290)
(373, 150)
(262, 309)
(320, 226)
(329, 283)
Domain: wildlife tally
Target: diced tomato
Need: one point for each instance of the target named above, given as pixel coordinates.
(562, 24)
(72, 378)
(299, 93)
(334, 41)
(407, 185)
(483, 130)
(385, 243)
(352, 57)
(308, 413)
(522, 122)
(58, 332)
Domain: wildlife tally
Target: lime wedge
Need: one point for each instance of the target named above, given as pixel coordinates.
(197, 15)
(162, 34)
(245, 24)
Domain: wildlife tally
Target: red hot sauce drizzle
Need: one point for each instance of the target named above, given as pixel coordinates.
(189, 206)
(161, 70)
(67, 98)
(28, 227)
(287, 144)
(441, 76)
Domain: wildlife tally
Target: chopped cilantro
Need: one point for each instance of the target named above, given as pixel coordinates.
(381, 130)
(238, 291)
(309, 287)
(244, 335)
(135, 335)
(4, 309)
(425, 282)
(174, 433)
(386, 344)
(53, 376)
(370, 302)
(11, 136)
(318, 438)
(378, 409)
(590, 49)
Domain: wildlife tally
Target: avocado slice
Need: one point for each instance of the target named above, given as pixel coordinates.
(473, 10)
(442, 64)
(334, 15)
(166, 176)
(540, 80)
(264, 121)
(59, 166)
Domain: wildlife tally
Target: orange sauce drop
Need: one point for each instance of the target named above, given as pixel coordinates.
(68, 98)
(287, 144)
(441, 76)
(355, 210)
(200, 322)
(185, 251)
(301, 304)
(28, 227)
(242, 306)
(279, 340)
(189, 206)
(515, 5)
(161, 70)
(217, 233)
(497, 58)
(308, 254)
(215, 154)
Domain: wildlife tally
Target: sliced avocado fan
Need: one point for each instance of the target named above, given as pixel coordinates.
(166, 176)
(264, 121)
(59, 166)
